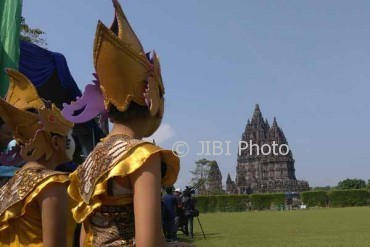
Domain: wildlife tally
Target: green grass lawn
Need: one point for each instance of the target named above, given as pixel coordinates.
(312, 227)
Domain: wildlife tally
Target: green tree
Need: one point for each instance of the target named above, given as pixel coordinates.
(199, 173)
(33, 35)
(207, 170)
(322, 188)
(351, 184)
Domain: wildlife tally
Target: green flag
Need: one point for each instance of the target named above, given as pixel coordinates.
(10, 24)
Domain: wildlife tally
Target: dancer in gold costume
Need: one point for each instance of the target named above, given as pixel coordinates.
(34, 203)
(118, 187)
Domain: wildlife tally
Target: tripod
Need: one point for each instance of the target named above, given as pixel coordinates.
(201, 227)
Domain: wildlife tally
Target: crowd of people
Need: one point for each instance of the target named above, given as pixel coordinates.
(178, 212)
(114, 195)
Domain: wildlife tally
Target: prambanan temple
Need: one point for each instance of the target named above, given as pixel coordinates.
(261, 173)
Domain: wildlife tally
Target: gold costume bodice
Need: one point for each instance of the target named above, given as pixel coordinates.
(109, 219)
(20, 215)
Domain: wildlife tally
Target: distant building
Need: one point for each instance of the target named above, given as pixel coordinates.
(230, 186)
(214, 181)
(257, 172)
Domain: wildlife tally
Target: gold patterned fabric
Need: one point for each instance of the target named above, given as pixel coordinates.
(108, 219)
(20, 215)
(104, 157)
(113, 225)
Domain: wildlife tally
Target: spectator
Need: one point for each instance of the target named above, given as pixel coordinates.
(169, 204)
(189, 206)
(179, 211)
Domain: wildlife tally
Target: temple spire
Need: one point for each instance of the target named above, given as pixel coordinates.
(267, 123)
(228, 180)
(276, 133)
(274, 123)
(256, 129)
(257, 115)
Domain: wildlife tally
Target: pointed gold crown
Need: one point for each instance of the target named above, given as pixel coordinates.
(31, 120)
(126, 73)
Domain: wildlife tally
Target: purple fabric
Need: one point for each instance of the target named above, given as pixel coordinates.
(88, 106)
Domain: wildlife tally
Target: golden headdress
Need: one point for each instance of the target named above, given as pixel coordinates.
(31, 120)
(126, 73)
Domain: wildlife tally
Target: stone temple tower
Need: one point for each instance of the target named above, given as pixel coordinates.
(230, 185)
(262, 170)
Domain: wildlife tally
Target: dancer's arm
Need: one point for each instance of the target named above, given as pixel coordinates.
(82, 235)
(146, 183)
(53, 204)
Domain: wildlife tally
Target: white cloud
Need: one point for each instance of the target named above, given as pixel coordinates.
(164, 133)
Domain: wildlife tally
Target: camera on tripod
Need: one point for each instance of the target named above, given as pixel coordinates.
(188, 210)
(188, 191)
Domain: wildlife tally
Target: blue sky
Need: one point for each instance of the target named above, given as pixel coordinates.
(305, 62)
